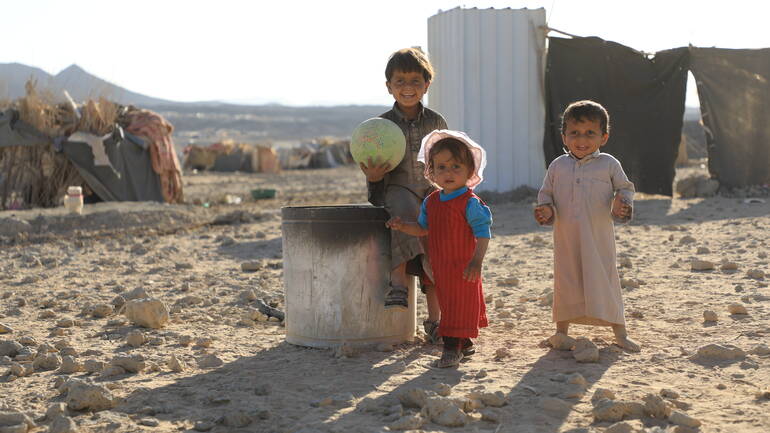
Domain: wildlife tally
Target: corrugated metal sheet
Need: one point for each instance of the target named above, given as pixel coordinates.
(489, 83)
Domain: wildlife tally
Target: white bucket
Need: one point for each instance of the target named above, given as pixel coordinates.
(336, 270)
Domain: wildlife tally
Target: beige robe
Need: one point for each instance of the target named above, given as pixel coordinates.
(586, 282)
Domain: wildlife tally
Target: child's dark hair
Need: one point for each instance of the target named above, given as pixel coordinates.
(581, 111)
(457, 148)
(409, 60)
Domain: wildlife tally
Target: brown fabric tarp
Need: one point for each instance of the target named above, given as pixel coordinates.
(644, 96)
(734, 93)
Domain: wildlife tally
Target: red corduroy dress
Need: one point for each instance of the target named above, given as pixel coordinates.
(451, 245)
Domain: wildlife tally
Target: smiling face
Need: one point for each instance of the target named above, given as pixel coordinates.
(583, 137)
(408, 89)
(448, 172)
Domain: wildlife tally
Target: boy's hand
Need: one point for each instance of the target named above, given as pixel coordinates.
(373, 170)
(621, 208)
(395, 223)
(543, 214)
(472, 272)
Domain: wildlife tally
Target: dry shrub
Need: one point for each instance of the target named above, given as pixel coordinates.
(40, 110)
(98, 117)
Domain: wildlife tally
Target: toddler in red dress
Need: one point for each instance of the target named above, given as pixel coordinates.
(457, 224)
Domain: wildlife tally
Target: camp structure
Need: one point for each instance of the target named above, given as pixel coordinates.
(116, 153)
(228, 156)
(505, 83)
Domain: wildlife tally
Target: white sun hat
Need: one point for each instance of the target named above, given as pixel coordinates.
(478, 152)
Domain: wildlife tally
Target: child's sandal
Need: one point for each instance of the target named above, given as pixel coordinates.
(431, 330)
(450, 358)
(468, 348)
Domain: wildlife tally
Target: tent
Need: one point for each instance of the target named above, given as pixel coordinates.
(36, 169)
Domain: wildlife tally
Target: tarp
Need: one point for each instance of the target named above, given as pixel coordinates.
(734, 93)
(644, 96)
(131, 177)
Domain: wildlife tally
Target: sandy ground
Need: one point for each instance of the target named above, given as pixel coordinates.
(190, 257)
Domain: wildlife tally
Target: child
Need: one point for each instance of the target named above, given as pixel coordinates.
(582, 193)
(401, 190)
(458, 225)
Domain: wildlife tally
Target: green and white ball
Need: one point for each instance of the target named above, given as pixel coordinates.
(378, 139)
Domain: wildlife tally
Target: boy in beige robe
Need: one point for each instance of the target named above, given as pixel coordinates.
(583, 191)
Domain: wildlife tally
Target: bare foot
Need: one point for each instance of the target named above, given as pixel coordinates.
(627, 344)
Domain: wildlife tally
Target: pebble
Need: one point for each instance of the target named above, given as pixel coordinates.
(135, 338)
(252, 266)
(702, 265)
(729, 266)
(69, 365)
(686, 239)
(442, 389)
(602, 393)
(210, 361)
(102, 310)
(655, 406)
(681, 418)
(737, 309)
(132, 363)
(761, 350)
(555, 405)
(710, 316)
(561, 341)
(756, 274)
(63, 424)
(149, 422)
(585, 350)
(48, 361)
(9, 348)
(5, 329)
(408, 422)
(148, 313)
(175, 364)
(82, 395)
(502, 353)
(719, 352)
(577, 379)
(93, 366)
(620, 427)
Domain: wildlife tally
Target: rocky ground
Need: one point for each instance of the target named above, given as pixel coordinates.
(138, 317)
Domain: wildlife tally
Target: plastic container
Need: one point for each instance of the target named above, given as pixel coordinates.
(336, 268)
(73, 201)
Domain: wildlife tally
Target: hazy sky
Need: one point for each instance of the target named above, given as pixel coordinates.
(316, 52)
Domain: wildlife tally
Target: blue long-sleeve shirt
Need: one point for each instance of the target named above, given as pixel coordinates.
(478, 215)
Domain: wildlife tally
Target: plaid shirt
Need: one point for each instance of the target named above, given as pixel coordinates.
(409, 173)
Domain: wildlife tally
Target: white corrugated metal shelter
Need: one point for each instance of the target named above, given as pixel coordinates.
(489, 83)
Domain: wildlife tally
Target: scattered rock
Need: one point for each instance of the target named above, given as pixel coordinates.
(46, 361)
(729, 266)
(620, 427)
(175, 364)
(93, 366)
(69, 365)
(655, 406)
(132, 364)
(681, 418)
(609, 410)
(5, 329)
(761, 350)
(102, 310)
(702, 265)
(756, 274)
(135, 338)
(149, 312)
(408, 422)
(443, 411)
(63, 424)
(585, 350)
(12, 421)
(252, 266)
(82, 395)
(210, 361)
(561, 341)
(502, 353)
(555, 405)
(600, 394)
(710, 316)
(718, 352)
(737, 309)
(9, 348)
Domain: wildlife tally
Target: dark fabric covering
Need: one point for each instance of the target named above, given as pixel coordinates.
(132, 178)
(644, 97)
(15, 132)
(734, 93)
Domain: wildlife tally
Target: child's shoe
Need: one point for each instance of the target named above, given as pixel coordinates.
(431, 330)
(468, 348)
(452, 353)
(397, 298)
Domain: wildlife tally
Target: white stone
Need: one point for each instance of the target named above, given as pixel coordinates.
(149, 313)
(175, 364)
(561, 341)
(681, 418)
(585, 350)
(82, 395)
